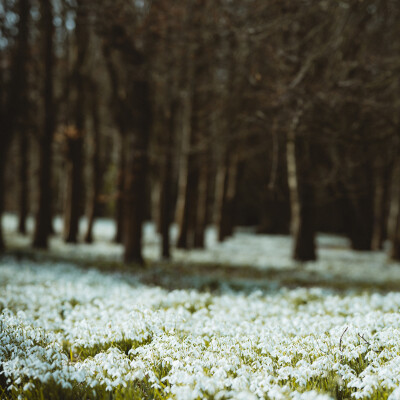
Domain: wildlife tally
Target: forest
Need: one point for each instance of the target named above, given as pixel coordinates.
(199, 199)
(278, 114)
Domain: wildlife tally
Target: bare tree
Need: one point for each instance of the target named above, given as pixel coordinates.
(43, 214)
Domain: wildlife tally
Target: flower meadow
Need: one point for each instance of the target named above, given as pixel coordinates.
(66, 333)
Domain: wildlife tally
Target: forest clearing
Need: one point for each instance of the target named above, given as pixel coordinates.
(77, 332)
(199, 199)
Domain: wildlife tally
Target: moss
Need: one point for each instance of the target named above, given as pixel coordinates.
(80, 353)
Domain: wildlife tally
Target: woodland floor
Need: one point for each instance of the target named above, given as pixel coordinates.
(244, 261)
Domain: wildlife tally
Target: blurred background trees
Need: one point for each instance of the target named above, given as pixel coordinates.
(277, 114)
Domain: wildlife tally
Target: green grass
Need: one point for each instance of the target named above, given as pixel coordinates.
(80, 353)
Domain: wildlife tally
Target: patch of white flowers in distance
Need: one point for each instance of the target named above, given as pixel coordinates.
(299, 344)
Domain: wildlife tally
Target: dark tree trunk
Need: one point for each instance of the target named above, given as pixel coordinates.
(381, 207)
(221, 201)
(3, 153)
(166, 208)
(14, 113)
(166, 202)
(96, 168)
(361, 232)
(304, 239)
(43, 216)
(395, 238)
(119, 202)
(73, 209)
(275, 217)
(23, 195)
(202, 206)
(121, 117)
(361, 220)
(235, 173)
(187, 205)
(23, 117)
(301, 195)
(183, 214)
(185, 184)
(226, 196)
(394, 219)
(136, 176)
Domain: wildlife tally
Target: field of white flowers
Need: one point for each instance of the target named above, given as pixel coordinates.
(68, 332)
(71, 333)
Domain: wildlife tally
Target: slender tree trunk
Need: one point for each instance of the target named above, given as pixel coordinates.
(118, 110)
(379, 211)
(233, 183)
(202, 207)
(14, 113)
(381, 207)
(3, 154)
(275, 217)
(226, 196)
(395, 239)
(394, 217)
(301, 198)
(119, 203)
(75, 139)
(185, 183)
(361, 230)
(23, 117)
(166, 208)
(221, 187)
(136, 176)
(304, 249)
(96, 169)
(23, 195)
(166, 184)
(43, 216)
(187, 205)
(192, 200)
(73, 193)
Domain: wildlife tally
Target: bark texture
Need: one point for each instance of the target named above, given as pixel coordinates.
(43, 215)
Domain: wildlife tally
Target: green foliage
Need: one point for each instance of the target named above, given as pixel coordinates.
(80, 353)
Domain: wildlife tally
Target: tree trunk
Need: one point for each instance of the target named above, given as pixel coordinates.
(3, 153)
(304, 239)
(136, 176)
(394, 219)
(361, 228)
(381, 207)
(202, 206)
(185, 183)
(187, 205)
(221, 184)
(226, 196)
(73, 193)
(119, 202)
(23, 182)
(96, 168)
(43, 215)
(75, 138)
(14, 113)
(166, 184)
(275, 217)
(301, 198)
(235, 171)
